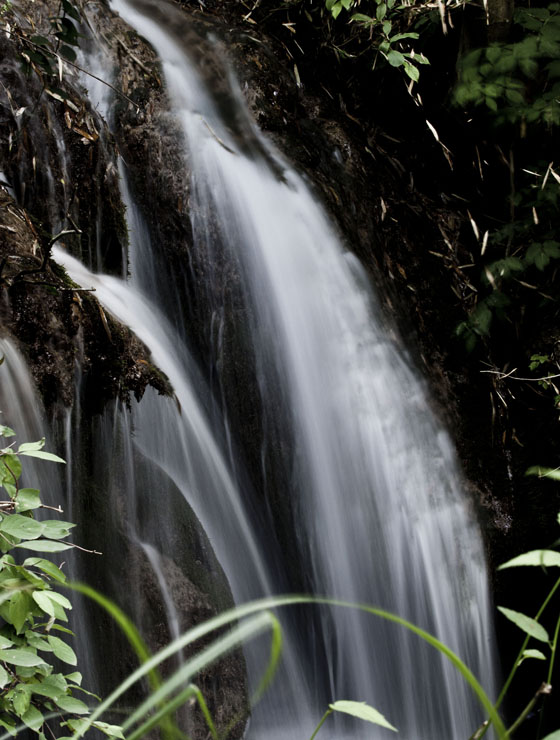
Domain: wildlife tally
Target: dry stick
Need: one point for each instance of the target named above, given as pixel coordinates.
(58, 287)
(501, 376)
(83, 549)
(134, 58)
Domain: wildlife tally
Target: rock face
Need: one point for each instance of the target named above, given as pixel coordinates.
(47, 197)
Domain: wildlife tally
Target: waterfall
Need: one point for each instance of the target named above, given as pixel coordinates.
(372, 484)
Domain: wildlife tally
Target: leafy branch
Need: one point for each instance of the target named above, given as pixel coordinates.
(32, 693)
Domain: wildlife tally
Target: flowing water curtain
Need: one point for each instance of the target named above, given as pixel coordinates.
(374, 480)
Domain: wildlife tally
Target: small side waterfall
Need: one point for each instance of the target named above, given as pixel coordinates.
(374, 485)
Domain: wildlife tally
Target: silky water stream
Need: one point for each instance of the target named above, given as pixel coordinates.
(372, 478)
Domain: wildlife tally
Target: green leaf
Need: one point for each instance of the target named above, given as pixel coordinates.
(56, 530)
(60, 628)
(542, 558)
(493, 53)
(20, 657)
(62, 651)
(5, 642)
(363, 711)
(76, 725)
(27, 499)
(41, 598)
(6, 431)
(47, 689)
(361, 18)
(347, 3)
(47, 567)
(33, 718)
(44, 456)
(537, 361)
(553, 736)
(111, 730)
(40, 40)
(31, 446)
(36, 641)
(336, 10)
(4, 677)
(72, 705)
(525, 623)
(21, 699)
(8, 724)
(381, 11)
(56, 682)
(395, 58)
(70, 10)
(44, 546)
(75, 677)
(552, 473)
(412, 71)
(13, 464)
(68, 53)
(22, 527)
(20, 609)
(60, 599)
(536, 654)
(401, 36)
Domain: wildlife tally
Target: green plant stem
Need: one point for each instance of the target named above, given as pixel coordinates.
(524, 645)
(323, 718)
(553, 651)
(515, 666)
(163, 713)
(479, 732)
(205, 711)
(551, 664)
(544, 689)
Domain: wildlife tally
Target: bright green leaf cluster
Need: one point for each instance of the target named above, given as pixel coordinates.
(382, 28)
(31, 609)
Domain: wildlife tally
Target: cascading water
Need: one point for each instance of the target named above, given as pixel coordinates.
(373, 479)
(370, 475)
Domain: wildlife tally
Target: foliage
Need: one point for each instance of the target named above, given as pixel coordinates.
(387, 31)
(33, 693)
(32, 610)
(511, 90)
(519, 81)
(533, 628)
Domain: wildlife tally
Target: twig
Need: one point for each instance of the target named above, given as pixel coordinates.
(226, 147)
(515, 377)
(76, 66)
(58, 509)
(83, 549)
(135, 59)
(58, 287)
